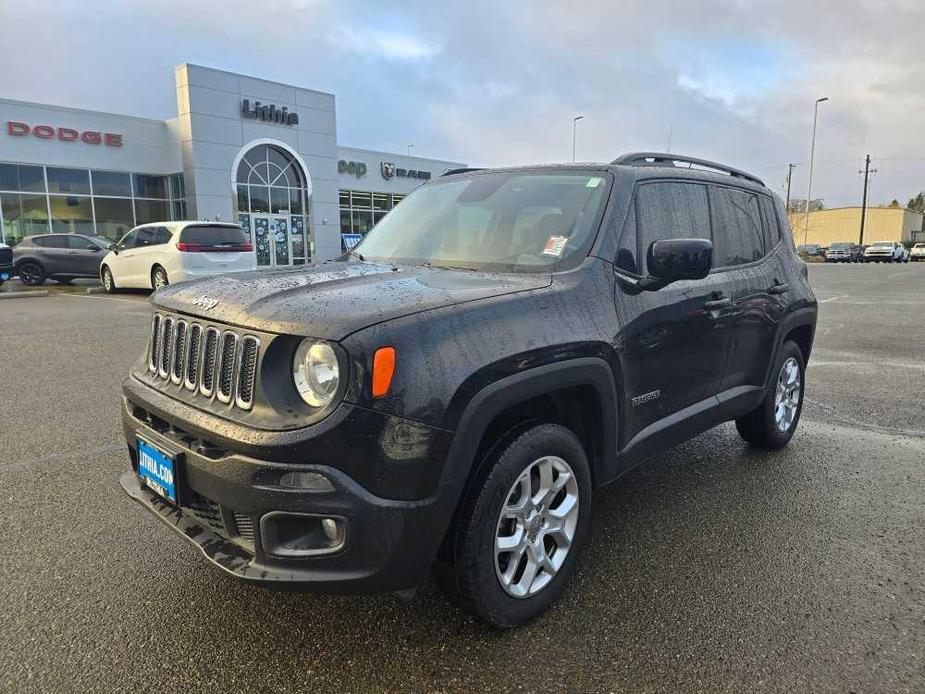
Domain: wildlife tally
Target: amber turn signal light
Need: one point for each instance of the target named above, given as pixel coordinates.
(383, 368)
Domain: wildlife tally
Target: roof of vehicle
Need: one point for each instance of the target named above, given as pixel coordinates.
(646, 165)
(182, 224)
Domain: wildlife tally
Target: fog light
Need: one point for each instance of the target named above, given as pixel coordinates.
(306, 481)
(331, 531)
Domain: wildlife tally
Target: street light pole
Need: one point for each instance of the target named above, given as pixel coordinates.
(574, 128)
(812, 154)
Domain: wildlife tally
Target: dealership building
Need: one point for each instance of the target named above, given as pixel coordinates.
(242, 149)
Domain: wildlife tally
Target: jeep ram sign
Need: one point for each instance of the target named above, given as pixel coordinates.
(268, 113)
(354, 168)
(47, 132)
(389, 171)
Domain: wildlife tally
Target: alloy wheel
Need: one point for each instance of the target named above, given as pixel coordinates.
(536, 527)
(788, 394)
(160, 279)
(107, 280)
(30, 274)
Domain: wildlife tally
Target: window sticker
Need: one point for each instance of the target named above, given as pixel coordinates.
(593, 182)
(555, 245)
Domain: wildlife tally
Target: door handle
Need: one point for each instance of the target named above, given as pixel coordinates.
(778, 288)
(718, 304)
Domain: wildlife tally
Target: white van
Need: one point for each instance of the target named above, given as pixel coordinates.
(155, 255)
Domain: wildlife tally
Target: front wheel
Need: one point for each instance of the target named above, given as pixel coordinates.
(515, 541)
(158, 277)
(31, 274)
(109, 284)
(772, 424)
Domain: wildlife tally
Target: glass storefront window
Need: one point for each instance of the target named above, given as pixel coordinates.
(381, 201)
(112, 183)
(177, 187)
(75, 181)
(243, 202)
(345, 221)
(147, 186)
(279, 200)
(179, 209)
(360, 199)
(362, 221)
(114, 217)
(377, 216)
(71, 214)
(295, 201)
(260, 199)
(147, 211)
(23, 215)
(21, 177)
(344, 196)
(397, 199)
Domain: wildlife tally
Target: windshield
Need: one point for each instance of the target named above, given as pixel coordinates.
(840, 246)
(919, 245)
(883, 244)
(503, 221)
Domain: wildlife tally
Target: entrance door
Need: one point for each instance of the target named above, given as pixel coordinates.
(272, 240)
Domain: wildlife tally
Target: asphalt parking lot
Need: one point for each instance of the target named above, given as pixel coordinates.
(714, 567)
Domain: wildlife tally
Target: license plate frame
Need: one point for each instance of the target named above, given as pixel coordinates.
(159, 470)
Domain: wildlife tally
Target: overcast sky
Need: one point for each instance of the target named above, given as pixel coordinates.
(499, 82)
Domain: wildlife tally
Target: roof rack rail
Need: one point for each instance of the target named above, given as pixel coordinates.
(462, 169)
(665, 159)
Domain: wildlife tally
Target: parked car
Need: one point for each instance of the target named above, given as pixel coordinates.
(917, 253)
(811, 249)
(61, 257)
(155, 255)
(843, 252)
(453, 391)
(886, 252)
(6, 263)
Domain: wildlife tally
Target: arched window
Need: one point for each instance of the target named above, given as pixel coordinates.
(270, 182)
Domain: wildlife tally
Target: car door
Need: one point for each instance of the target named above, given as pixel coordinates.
(747, 248)
(84, 256)
(121, 263)
(673, 340)
(52, 250)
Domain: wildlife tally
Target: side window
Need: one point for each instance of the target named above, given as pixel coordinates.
(79, 243)
(771, 227)
(737, 233)
(670, 210)
(162, 235)
(128, 241)
(147, 236)
(52, 241)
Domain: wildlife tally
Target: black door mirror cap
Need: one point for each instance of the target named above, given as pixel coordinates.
(670, 260)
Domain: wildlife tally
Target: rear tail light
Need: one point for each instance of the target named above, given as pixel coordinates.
(198, 248)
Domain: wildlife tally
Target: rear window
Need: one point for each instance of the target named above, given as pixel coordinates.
(213, 236)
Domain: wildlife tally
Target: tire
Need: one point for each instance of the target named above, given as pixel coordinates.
(31, 274)
(763, 427)
(487, 585)
(158, 277)
(107, 280)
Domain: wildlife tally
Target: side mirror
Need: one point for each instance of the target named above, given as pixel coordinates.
(114, 248)
(671, 260)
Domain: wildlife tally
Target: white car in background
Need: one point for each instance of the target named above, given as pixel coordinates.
(886, 252)
(155, 255)
(917, 253)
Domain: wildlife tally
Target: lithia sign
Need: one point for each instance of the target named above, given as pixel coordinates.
(268, 113)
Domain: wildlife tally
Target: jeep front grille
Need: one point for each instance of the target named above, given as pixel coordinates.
(204, 359)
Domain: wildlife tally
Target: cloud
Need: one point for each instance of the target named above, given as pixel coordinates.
(499, 83)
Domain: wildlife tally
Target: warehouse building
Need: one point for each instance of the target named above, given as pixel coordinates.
(260, 153)
(844, 224)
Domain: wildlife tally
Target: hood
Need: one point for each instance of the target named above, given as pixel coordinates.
(334, 299)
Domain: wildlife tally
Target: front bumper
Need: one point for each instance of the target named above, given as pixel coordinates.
(388, 544)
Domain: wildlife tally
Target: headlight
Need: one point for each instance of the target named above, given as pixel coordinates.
(315, 372)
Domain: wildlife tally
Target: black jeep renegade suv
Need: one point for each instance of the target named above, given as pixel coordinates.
(451, 393)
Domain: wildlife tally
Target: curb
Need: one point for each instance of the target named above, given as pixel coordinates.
(95, 290)
(23, 295)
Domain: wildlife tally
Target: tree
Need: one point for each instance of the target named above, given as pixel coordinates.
(799, 205)
(894, 203)
(917, 204)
